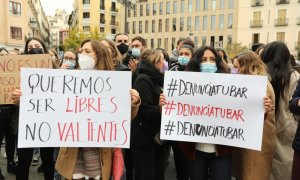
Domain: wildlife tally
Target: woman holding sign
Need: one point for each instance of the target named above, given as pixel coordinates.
(95, 163)
(251, 164)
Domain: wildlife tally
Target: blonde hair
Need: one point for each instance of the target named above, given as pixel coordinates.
(115, 54)
(151, 56)
(250, 63)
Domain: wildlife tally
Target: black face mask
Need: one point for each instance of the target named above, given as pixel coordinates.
(123, 48)
(36, 51)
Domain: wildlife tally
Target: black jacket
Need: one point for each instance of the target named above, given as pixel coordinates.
(149, 84)
(295, 109)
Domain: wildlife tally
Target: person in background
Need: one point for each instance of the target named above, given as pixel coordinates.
(6, 120)
(54, 58)
(252, 164)
(33, 45)
(69, 60)
(260, 49)
(148, 151)
(122, 42)
(175, 51)
(86, 162)
(284, 79)
(226, 60)
(13, 52)
(185, 54)
(166, 59)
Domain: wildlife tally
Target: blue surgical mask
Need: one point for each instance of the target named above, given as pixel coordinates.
(208, 67)
(70, 63)
(136, 52)
(183, 60)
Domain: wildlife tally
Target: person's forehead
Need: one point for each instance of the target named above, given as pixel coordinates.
(34, 43)
(122, 37)
(3, 52)
(136, 42)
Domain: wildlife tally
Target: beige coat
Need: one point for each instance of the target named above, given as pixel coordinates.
(67, 157)
(256, 165)
(285, 131)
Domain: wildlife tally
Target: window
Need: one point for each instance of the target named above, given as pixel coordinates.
(147, 9)
(213, 22)
(212, 41)
(231, 4)
(221, 41)
(173, 43)
(229, 21)
(280, 36)
(168, 10)
(221, 4)
(190, 6)
(281, 17)
(153, 26)
(102, 29)
(221, 21)
(189, 23)
(113, 6)
(181, 24)
(159, 25)
(129, 12)
(86, 15)
(174, 24)
(113, 31)
(255, 38)
(167, 25)
(127, 30)
(175, 7)
(213, 4)
(197, 23)
(16, 33)
(86, 28)
(182, 6)
(205, 5)
(134, 11)
(166, 44)
(15, 8)
(154, 9)
(152, 43)
(85, 1)
(161, 6)
(102, 4)
(196, 41)
(203, 40)
(140, 26)
(102, 18)
(159, 42)
(197, 5)
(141, 10)
(204, 22)
(229, 39)
(146, 26)
(133, 27)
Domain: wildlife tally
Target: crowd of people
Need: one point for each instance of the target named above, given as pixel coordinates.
(148, 155)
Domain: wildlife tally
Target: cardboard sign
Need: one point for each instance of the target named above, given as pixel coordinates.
(10, 72)
(214, 108)
(74, 108)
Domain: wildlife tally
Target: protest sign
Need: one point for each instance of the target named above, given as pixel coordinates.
(74, 108)
(10, 72)
(214, 108)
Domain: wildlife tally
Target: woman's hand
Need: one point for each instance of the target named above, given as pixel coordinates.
(17, 93)
(132, 65)
(267, 104)
(65, 66)
(162, 100)
(135, 97)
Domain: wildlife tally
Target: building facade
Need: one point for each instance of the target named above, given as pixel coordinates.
(105, 15)
(215, 22)
(14, 24)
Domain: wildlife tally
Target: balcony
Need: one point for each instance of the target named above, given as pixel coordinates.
(282, 2)
(281, 22)
(102, 9)
(297, 45)
(114, 23)
(256, 23)
(256, 3)
(298, 20)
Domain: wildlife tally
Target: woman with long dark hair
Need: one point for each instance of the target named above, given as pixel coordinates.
(284, 81)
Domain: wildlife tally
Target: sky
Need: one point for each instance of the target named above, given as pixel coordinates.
(50, 6)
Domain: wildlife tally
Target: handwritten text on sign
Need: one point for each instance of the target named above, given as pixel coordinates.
(214, 108)
(10, 67)
(74, 108)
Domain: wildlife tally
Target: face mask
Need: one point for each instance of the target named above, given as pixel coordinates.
(36, 51)
(71, 64)
(165, 67)
(86, 62)
(234, 70)
(123, 48)
(136, 52)
(208, 67)
(183, 60)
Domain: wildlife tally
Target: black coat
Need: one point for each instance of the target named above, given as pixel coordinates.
(295, 109)
(149, 84)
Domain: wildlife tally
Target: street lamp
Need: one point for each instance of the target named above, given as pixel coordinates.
(33, 25)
